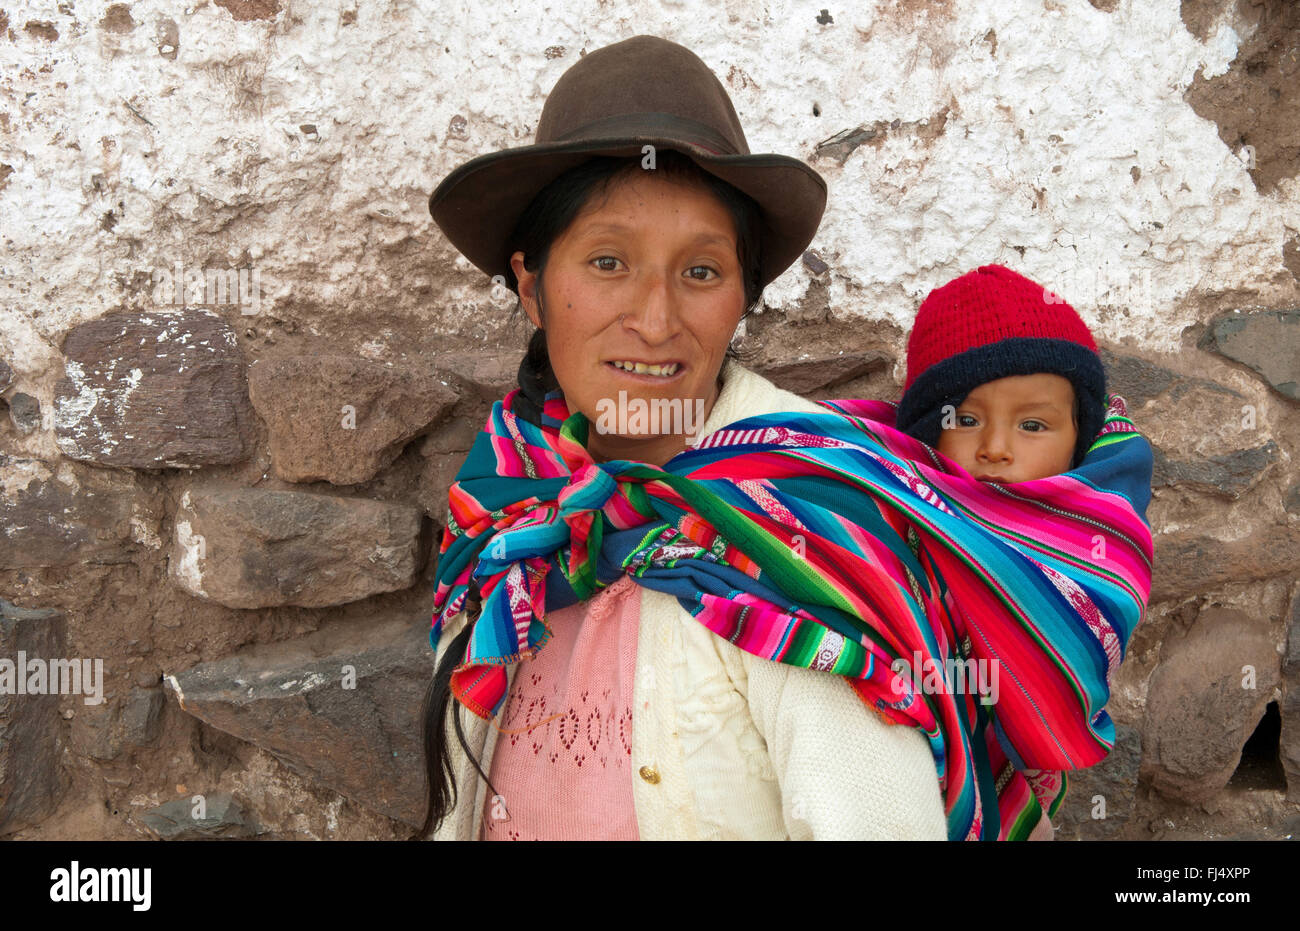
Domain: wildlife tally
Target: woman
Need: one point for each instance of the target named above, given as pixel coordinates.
(633, 594)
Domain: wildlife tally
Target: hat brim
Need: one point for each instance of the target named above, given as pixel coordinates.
(478, 205)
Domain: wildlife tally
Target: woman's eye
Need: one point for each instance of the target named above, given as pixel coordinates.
(694, 270)
(606, 263)
(967, 420)
(1033, 426)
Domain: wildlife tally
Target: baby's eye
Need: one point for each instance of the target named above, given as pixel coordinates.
(967, 420)
(1033, 426)
(612, 266)
(691, 272)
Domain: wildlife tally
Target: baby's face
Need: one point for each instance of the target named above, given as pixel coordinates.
(1013, 429)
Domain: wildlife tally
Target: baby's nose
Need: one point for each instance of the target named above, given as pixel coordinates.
(994, 448)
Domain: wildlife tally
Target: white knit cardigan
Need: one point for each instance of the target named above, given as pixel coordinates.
(730, 746)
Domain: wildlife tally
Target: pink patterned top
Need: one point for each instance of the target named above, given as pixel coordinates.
(570, 778)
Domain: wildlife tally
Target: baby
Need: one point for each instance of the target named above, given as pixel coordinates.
(1003, 377)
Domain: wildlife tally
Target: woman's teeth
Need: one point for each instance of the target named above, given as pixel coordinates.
(641, 368)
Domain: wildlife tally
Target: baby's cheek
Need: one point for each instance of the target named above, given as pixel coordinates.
(953, 448)
(1066, 449)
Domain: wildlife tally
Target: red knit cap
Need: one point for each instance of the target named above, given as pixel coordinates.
(989, 304)
(989, 324)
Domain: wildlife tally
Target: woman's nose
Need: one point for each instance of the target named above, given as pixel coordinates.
(654, 313)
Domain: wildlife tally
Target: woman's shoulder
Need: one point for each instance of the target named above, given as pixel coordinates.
(745, 393)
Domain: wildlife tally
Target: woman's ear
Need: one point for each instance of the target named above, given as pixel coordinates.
(528, 296)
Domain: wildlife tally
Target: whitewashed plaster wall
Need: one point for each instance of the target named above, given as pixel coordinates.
(304, 139)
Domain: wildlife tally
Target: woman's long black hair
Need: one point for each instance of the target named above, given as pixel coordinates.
(548, 215)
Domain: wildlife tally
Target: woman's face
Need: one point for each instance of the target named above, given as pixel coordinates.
(647, 276)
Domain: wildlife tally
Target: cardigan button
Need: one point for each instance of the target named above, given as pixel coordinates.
(649, 774)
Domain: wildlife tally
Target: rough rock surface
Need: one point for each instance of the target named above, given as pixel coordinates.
(1268, 341)
(32, 778)
(64, 517)
(25, 412)
(342, 419)
(250, 548)
(1099, 800)
(164, 388)
(104, 731)
(1207, 695)
(1289, 739)
(222, 818)
(341, 705)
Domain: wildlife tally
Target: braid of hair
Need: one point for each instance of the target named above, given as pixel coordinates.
(535, 380)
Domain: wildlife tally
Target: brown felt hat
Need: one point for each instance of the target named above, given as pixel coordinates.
(641, 91)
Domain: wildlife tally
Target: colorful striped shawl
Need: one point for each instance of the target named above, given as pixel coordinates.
(834, 542)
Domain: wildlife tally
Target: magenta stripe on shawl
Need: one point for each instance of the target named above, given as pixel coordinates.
(761, 639)
(1072, 544)
(1005, 514)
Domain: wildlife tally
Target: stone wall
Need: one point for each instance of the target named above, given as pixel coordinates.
(230, 494)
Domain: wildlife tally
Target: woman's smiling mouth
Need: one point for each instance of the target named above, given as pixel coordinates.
(658, 370)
